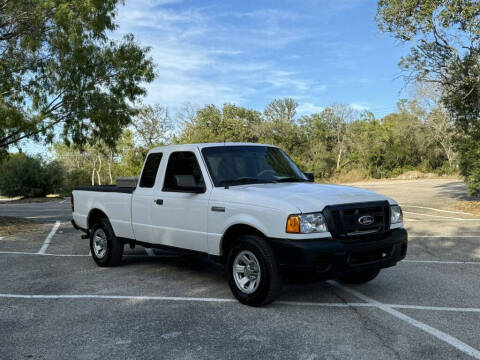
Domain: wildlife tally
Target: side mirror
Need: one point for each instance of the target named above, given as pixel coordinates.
(309, 176)
(187, 183)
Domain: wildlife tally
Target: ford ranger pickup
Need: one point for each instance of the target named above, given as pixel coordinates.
(250, 207)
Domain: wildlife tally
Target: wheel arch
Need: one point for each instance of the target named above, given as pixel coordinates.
(94, 215)
(233, 233)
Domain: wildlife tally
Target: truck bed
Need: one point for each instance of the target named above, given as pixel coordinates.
(106, 188)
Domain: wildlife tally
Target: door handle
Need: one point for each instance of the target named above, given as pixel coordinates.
(158, 201)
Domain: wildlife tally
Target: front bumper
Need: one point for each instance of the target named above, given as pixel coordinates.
(326, 258)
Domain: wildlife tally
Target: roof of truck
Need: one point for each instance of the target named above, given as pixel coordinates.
(204, 145)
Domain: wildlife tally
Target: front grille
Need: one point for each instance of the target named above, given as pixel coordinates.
(343, 220)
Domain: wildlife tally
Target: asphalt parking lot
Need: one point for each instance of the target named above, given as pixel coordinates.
(55, 303)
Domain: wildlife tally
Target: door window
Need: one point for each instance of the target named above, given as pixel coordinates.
(150, 170)
(183, 173)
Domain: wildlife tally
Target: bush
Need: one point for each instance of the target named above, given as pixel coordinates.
(469, 163)
(22, 175)
(74, 178)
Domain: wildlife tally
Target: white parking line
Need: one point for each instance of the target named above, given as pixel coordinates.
(222, 300)
(434, 308)
(467, 349)
(60, 255)
(443, 220)
(439, 210)
(117, 297)
(149, 252)
(443, 262)
(49, 238)
(438, 216)
(306, 303)
(441, 236)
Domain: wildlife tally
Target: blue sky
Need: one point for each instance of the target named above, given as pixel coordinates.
(250, 52)
(318, 52)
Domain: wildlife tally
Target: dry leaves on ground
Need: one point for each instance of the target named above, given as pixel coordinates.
(10, 225)
(472, 207)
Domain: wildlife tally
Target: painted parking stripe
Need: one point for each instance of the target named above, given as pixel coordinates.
(434, 308)
(441, 236)
(149, 252)
(433, 220)
(49, 237)
(443, 262)
(117, 297)
(439, 210)
(453, 341)
(44, 254)
(438, 216)
(223, 300)
(61, 255)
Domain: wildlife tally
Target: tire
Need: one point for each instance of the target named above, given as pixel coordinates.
(267, 284)
(359, 278)
(106, 249)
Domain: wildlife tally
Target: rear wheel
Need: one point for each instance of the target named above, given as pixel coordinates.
(106, 249)
(254, 277)
(359, 278)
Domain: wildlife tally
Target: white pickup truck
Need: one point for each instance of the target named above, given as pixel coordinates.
(250, 207)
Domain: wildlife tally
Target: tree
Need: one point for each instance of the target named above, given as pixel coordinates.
(27, 176)
(337, 118)
(446, 50)
(153, 125)
(439, 124)
(281, 110)
(59, 71)
(231, 123)
(317, 155)
(99, 164)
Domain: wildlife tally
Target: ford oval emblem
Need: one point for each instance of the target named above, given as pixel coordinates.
(366, 220)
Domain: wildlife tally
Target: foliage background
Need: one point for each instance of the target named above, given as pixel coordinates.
(338, 143)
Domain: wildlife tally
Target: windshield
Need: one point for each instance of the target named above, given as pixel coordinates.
(236, 165)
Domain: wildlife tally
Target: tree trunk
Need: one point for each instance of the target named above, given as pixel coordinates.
(99, 169)
(110, 160)
(339, 158)
(93, 171)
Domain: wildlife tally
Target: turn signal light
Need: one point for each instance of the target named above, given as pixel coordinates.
(293, 224)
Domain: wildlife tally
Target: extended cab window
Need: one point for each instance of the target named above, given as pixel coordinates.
(183, 173)
(150, 170)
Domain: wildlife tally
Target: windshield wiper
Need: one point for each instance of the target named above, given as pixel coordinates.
(244, 180)
(291, 179)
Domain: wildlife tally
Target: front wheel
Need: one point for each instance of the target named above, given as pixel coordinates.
(254, 277)
(359, 278)
(106, 248)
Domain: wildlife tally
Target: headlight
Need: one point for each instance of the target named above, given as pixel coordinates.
(396, 215)
(306, 223)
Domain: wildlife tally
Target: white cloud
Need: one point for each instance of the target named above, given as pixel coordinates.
(308, 108)
(200, 58)
(359, 106)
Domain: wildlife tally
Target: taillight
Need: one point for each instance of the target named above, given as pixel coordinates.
(73, 203)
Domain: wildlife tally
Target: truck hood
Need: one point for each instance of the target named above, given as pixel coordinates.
(305, 197)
